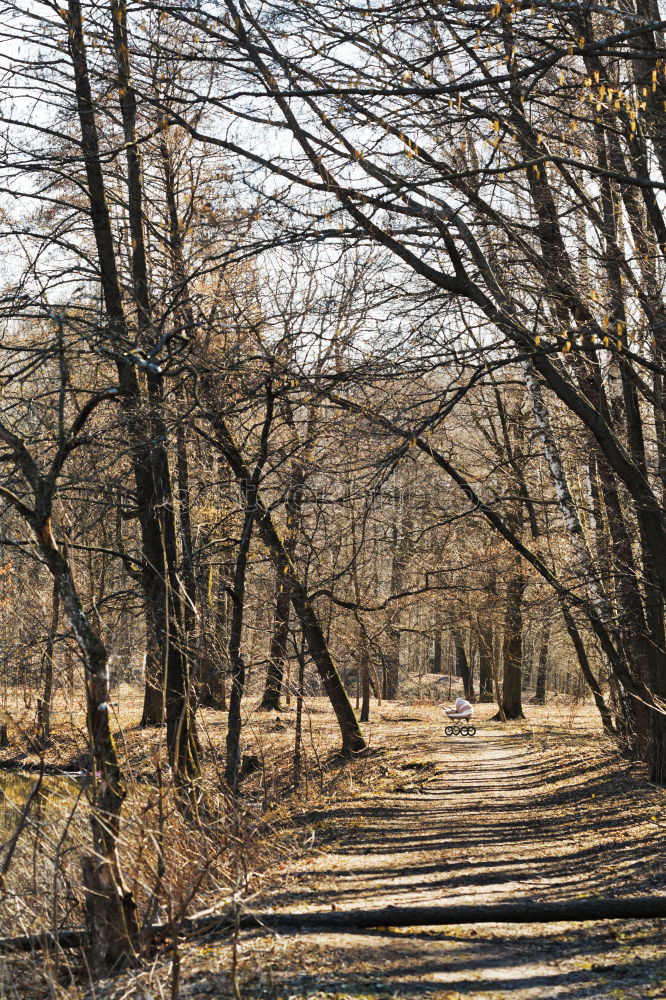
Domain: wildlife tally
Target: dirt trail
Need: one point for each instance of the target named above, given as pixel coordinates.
(539, 810)
(494, 818)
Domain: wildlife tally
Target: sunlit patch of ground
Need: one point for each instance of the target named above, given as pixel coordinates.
(542, 808)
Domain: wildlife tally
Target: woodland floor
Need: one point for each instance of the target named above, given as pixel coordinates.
(541, 809)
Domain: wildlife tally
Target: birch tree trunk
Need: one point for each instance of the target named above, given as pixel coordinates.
(565, 500)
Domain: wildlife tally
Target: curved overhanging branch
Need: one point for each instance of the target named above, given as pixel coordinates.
(635, 686)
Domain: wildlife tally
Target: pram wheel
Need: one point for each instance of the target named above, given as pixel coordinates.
(456, 730)
(471, 730)
(448, 731)
(464, 731)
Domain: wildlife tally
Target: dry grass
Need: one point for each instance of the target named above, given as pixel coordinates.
(283, 838)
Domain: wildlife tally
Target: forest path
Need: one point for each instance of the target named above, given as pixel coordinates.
(501, 816)
(480, 821)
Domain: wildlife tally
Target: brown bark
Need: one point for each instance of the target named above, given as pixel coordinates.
(147, 431)
(485, 644)
(586, 670)
(364, 668)
(401, 547)
(234, 724)
(214, 655)
(110, 908)
(277, 657)
(43, 728)
(523, 911)
(542, 664)
(437, 651)
(352, 738)
(249, 491)
(462, 664)
(270, 701)
(649, 724)
(512, 646)
(153, 694)
(298, 734)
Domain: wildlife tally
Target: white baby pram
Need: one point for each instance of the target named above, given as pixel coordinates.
(462, 725)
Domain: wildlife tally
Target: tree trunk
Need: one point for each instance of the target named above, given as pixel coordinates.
(277, 655)
(110, 908)
(586, 670)
(485, 641)
(352, 738)
(540, 691)
(153, 694)
(651, 729)
(365, 687)
(235, 656)
(437, 652)
(147, 433)
(401, 547)
(43, 733)
(214, 656)
(277, 658)
(462, 664)
(391, 662)
(186, 544)
(364, 668)
(298, 735)
(249, 491)
(657, 755)
(512, 647)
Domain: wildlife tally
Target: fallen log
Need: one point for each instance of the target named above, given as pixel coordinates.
(524, 911)
(67, 939)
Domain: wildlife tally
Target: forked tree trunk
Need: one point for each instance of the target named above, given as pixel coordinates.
(147, 433)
